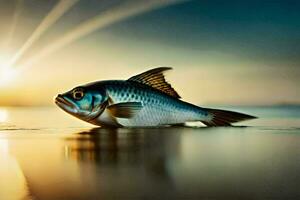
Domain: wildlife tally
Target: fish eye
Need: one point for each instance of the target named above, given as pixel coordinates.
(78, 94)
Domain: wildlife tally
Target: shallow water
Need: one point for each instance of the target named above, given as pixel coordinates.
(46, 154)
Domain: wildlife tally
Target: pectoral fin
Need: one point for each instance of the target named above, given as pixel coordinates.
(125, 110)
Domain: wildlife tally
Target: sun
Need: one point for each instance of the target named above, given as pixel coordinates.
(7, 72)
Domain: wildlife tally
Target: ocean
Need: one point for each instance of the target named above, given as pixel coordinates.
(48, 154)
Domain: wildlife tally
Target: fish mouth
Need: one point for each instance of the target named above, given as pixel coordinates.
(63, 103)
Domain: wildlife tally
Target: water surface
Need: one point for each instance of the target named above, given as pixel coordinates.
(46, 154)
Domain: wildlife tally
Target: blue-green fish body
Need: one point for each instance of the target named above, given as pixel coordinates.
(156, 108)
(144, 100)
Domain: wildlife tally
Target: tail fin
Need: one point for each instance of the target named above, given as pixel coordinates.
(224, 117)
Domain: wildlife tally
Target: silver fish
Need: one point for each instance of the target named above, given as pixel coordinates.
(144, 100)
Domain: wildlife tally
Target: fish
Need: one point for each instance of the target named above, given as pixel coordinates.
(144, 100)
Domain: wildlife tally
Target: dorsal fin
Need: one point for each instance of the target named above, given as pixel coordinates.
(155, 78)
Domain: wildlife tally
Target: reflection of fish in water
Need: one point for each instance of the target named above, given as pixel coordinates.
(143, 100)
(124, 146)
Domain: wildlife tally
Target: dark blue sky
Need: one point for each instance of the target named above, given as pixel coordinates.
(263, 30)
(266, 30)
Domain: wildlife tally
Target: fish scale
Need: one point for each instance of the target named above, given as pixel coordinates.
(158, 109)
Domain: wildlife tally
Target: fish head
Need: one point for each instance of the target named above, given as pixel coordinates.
(83, 102)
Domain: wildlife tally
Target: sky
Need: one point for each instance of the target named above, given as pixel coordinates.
(222, 52)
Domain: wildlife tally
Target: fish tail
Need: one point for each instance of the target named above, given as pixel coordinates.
(223, 117)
